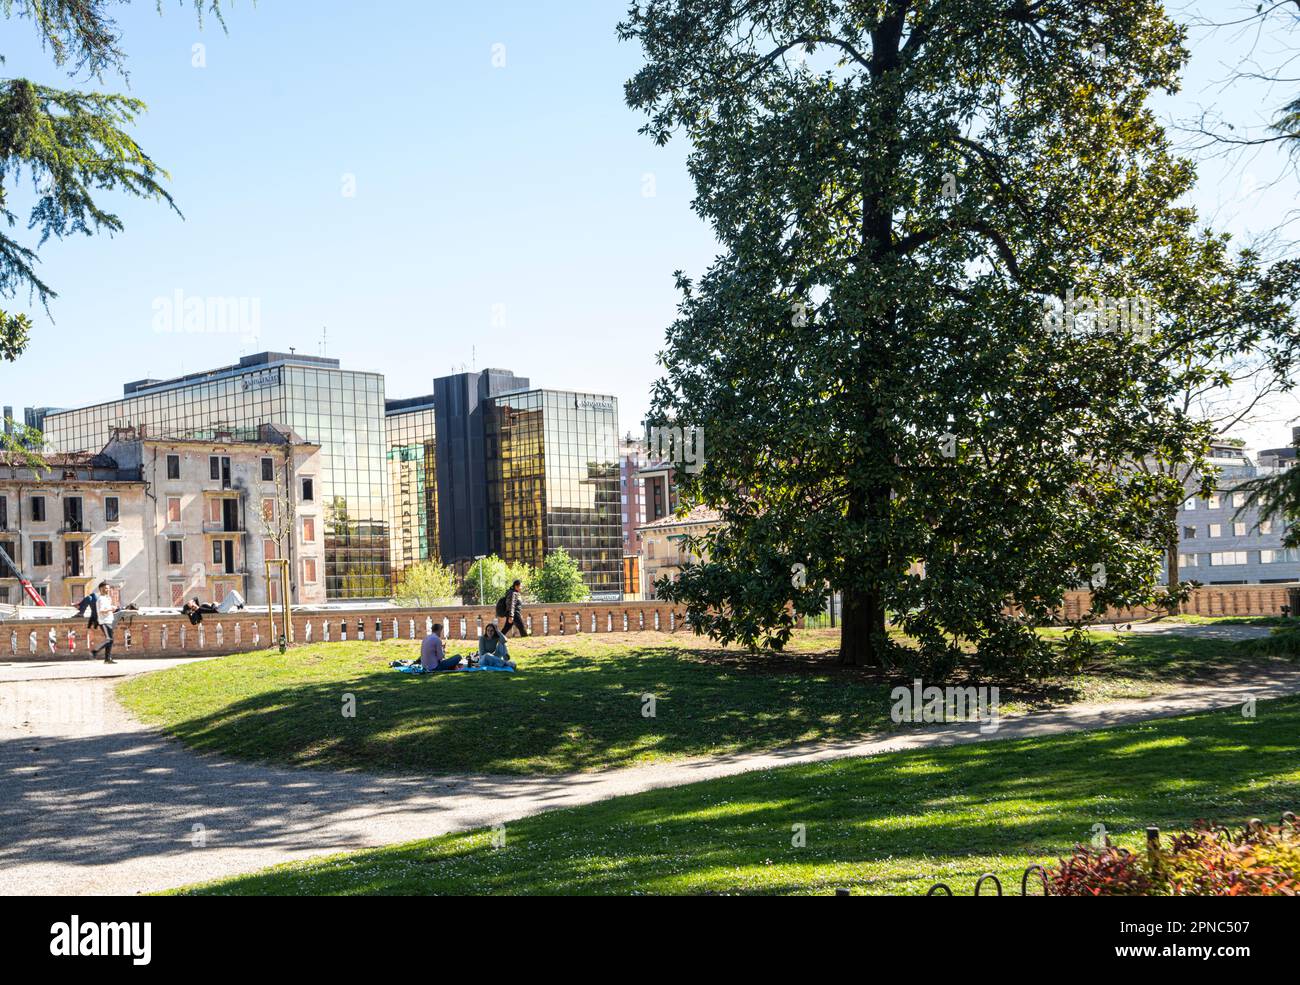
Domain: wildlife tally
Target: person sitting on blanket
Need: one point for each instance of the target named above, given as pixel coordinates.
(492, 651)
(433, 655)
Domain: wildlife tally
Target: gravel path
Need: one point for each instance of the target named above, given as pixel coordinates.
(93, 802)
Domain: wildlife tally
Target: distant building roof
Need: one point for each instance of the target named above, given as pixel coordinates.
(697, 515)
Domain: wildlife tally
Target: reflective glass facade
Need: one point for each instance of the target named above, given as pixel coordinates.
(341, 410)
(412, 482)
(553, 481)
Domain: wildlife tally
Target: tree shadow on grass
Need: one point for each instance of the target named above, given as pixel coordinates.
(576, 712)
(893, 823)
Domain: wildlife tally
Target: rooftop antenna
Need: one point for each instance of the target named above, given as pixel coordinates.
(324, 340)
(292, 350)
(473, 357)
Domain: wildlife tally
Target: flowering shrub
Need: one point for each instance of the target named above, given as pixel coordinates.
(1262, 860)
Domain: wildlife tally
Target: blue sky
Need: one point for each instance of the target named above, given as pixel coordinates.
(504, 216)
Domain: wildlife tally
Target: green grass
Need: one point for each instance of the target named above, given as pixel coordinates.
(576, 703)
(892, 824)
(1230, 620)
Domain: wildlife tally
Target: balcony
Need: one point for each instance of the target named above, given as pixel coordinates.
(220, 527)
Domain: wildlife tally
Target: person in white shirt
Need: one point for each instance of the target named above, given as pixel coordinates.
(106, 611)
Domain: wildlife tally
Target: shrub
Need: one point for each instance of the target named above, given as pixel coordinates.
(1262, 860)
(1106, 871)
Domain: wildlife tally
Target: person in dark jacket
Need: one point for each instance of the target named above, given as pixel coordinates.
(515, 609)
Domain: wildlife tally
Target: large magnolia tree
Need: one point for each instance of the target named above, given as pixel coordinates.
(894, 405)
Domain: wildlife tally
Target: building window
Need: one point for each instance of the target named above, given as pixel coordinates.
(42, 554)
(269, 550)
(216, 552)
(1214, 501)
(110, 509)
(1239, 530)
(268, 470)
(1290, 555)
(4, 512)
(1266, 526)
(308, 530)
(1189, 533)
(175, 553)
(1189, 503)
(38, 508)
(309, 570)
(1239, 499)
(308, 491)
(173, 466)
(173, 509)
(1216, 529)
(113, 549)
(1187, 560)
(268, 510)
(178, 593)
(214, 466)
(1219, 558)
(8, 547)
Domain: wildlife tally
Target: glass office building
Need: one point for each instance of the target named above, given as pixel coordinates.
(553, 481)
(412, 481)
(341, 410)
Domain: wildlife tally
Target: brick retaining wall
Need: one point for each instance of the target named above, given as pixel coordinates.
(1209, 600)
(173, 636)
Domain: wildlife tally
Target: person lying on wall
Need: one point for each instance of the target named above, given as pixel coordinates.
(195, 609)
(433, 654)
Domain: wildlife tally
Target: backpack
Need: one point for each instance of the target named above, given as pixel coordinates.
(503, 608)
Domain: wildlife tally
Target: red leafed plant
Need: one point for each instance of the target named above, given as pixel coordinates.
(1107, 871)
(1261, 860)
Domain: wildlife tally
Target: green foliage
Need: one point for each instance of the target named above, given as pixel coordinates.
(901, 189)
(497, 578)
(73, 145)
(560, 579)
(426, 584)
(21, 445)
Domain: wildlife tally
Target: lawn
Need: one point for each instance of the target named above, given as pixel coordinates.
(891, 824)
(577, 703)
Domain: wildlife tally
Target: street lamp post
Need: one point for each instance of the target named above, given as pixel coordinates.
(479, 558)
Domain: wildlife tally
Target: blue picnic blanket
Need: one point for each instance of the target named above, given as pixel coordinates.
(416, 668)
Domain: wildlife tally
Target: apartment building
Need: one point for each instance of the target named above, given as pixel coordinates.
(663, 544)
(340, 410)
(1222, 540)
(70, 525)
(163, 519)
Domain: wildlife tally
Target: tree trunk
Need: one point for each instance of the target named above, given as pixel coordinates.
(862, 634)
(1173, 574)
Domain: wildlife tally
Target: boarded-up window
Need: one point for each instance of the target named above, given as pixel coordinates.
(309, 570)
(114, 548)
(178, 593)
(173, 509)
(268, 510)
(268, 550)
(214, 511)
(308, 530)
